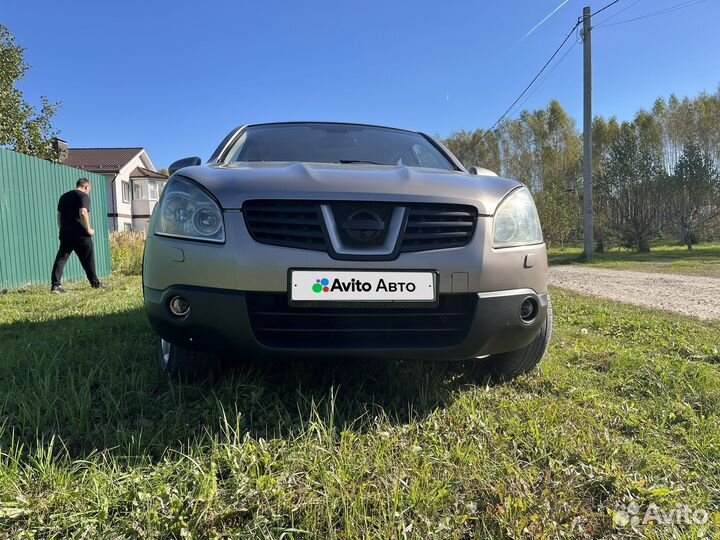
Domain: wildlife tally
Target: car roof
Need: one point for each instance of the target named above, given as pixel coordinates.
(326, 124)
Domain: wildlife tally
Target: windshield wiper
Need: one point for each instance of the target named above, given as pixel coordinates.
(358, 161)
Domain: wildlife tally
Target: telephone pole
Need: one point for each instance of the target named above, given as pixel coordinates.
(587, 132)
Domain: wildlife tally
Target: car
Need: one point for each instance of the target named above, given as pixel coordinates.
(340, 240)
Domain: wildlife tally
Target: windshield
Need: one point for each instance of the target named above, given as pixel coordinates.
(337, 143)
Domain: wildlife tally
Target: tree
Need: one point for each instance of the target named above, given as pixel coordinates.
(22, 127)
(557, 209)
(631, 185)
(638, 193)
(693, 193)
(543, 150)
(476, 148)
(605, 133)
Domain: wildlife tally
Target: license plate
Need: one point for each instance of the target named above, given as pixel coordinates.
(362, 286)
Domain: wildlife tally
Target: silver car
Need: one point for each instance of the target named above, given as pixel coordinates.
(344, 240)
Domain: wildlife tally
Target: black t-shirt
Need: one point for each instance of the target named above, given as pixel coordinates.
(69, 207)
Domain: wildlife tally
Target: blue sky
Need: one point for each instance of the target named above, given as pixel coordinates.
(176, 76)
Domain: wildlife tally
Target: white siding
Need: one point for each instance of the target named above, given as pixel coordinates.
(128, 213)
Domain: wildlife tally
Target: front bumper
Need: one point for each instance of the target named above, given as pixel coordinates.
(242, 264)
(223, 320)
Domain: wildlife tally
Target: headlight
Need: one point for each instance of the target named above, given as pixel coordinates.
(186, 211)
(516, 221)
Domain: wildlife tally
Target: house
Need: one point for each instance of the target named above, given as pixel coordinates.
(133, 185)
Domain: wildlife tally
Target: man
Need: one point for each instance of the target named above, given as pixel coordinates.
(75, 235)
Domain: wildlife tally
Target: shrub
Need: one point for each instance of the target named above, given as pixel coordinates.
(126, 250)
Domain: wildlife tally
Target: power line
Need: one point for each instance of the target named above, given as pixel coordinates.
(539, 73)
(611, 4)
(547, 75)
(688, 3)
(683, 5)
(618, 13)
(535, 78)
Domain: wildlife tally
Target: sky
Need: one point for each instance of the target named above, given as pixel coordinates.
(175, 76)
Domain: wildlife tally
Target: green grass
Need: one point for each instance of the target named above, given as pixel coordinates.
(703, 260)
(95, 443)
(126, 251)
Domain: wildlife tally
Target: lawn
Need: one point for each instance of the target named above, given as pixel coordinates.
(96, 443)
(703, 260)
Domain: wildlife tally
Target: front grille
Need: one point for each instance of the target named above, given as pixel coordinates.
(300, 224)
(436, 226)
(276, 324)
(285, 223)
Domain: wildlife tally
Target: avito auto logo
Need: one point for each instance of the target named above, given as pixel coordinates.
(322, 285)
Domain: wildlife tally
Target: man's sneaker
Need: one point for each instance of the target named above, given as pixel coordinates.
(58, 289)
(99, 285)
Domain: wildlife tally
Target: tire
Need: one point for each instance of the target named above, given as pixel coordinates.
(186, 364)
(506, 366)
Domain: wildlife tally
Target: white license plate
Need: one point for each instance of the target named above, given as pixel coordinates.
(361, 286)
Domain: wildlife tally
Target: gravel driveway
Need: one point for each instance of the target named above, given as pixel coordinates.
(689, 295)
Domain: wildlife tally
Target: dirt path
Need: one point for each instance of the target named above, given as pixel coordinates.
(689, 295)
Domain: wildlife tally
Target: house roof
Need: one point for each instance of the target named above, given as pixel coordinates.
(100, 160)
(142, 172)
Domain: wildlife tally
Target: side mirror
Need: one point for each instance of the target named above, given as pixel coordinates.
(479, 171)
(182, 163)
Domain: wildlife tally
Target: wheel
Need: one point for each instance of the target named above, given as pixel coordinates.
(186, 364)
(508, 365)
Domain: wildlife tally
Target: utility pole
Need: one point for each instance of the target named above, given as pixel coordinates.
(587, 131)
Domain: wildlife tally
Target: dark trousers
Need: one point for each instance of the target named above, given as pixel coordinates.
(83, 248)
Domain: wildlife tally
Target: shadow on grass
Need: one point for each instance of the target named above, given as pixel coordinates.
(93, 382)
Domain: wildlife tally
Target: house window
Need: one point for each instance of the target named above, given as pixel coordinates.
(126, 191)
(153, 191)
(127, 227)
(138, 194)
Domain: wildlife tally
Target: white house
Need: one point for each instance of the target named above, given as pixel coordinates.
(133, 185)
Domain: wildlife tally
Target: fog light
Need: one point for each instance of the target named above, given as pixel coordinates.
(528, 310)
(179, 306)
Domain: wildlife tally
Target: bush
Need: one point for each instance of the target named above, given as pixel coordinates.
(126, 250)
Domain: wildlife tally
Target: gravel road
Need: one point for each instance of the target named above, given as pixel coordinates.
(689, 295)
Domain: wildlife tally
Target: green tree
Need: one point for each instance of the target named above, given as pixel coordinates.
(476, 148)
(542, 149)
(22, 127)
(631, 185)
(557, 209)
(693, 193)
(605, 133)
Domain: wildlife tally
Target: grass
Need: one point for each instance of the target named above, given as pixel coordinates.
(96, 443)
(126, 252)
(703, 260)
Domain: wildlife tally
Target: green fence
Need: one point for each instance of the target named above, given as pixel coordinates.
(29, 191)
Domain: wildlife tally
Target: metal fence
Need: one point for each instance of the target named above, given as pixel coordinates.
(29, 192)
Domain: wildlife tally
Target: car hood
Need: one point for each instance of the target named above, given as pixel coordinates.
(233, 184)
